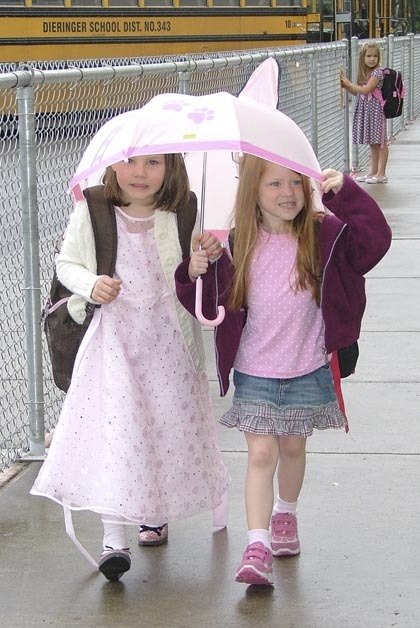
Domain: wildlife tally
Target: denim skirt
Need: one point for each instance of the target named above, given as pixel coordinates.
(284, 407)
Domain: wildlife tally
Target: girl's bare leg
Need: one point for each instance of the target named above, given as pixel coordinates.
(284, 537)
(256, 566)
(374, 158)
(291, 469)
(263, 455)
(383, 160)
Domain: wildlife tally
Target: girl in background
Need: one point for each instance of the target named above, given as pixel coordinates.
(298, 274)
(136, 439)
(369, 122)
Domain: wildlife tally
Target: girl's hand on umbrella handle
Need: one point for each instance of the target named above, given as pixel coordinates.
(106, 289)
(195, 242)
(198, 265)
(332, 181)
(211, 245)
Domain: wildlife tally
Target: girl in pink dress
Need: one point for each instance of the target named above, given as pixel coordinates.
(136, 440)
(369, 123)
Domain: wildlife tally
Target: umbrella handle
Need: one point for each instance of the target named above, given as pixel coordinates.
(198, 307)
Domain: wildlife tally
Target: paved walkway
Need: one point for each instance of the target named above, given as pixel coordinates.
(359, 510)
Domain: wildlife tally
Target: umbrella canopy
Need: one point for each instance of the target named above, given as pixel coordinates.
(178, 123)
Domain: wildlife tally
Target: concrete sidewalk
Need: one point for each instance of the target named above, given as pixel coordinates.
(359, 510)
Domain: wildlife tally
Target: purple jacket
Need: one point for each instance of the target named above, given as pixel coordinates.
(352, 240)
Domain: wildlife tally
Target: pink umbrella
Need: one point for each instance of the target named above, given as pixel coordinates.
(217, 204)
(178, 123)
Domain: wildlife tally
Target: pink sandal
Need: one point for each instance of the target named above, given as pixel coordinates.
(153, 535)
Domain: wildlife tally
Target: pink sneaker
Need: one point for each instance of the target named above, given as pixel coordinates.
(256, 566)
(284, 535)
(153, 536)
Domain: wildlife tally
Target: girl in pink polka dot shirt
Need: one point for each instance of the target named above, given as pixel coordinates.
(294, 293)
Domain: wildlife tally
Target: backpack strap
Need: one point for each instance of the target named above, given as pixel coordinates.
(104, 225)
(186, 217)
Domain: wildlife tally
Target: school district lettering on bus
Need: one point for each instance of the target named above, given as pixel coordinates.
(27, 36)
(98, 27)
(68, 30)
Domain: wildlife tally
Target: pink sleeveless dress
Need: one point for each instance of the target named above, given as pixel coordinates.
(136, 436)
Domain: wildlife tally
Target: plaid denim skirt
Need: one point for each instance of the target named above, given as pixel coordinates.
(284, 407)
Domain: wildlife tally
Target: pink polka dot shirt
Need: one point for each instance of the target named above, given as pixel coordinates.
(284, 333)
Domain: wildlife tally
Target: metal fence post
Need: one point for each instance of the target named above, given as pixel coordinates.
(35, 391)
(346, 117)
(390, 64)
(314, 102)
(410, 89)
(354, 62)
(184, 85)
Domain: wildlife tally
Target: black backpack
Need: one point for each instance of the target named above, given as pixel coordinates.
(392, 93)
(63, 334)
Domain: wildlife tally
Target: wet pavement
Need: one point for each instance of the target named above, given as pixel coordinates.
(358, 514)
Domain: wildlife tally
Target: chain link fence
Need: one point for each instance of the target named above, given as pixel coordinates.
(48, 115)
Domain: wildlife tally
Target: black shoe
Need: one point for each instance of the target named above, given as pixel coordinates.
(113, 563)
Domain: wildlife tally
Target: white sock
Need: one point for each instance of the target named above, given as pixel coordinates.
(263, 536)
(114, 533)
(282, 507)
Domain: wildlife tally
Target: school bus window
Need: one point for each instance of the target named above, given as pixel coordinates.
(226, 3)
(289, 3)
(158, 3)
(258, 3)
(86, 3)
(343, 6)
(14, 3)
(123, 3)
(193, 3)
(47, 3)
(148, 4)
(314, 6)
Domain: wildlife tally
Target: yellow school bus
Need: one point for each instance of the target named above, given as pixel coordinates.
(331, 20)
(46, 30)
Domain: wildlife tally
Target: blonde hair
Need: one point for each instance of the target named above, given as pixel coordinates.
(248, 218)
(174, 193)
(363, 71)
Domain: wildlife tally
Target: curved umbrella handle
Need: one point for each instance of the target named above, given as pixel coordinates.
(198, 306)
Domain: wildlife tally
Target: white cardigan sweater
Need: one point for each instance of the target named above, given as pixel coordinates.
(76, 269)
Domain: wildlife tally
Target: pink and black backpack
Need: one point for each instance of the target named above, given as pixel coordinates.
(391, 95)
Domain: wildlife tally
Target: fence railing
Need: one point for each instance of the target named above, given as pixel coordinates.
(48, 115)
